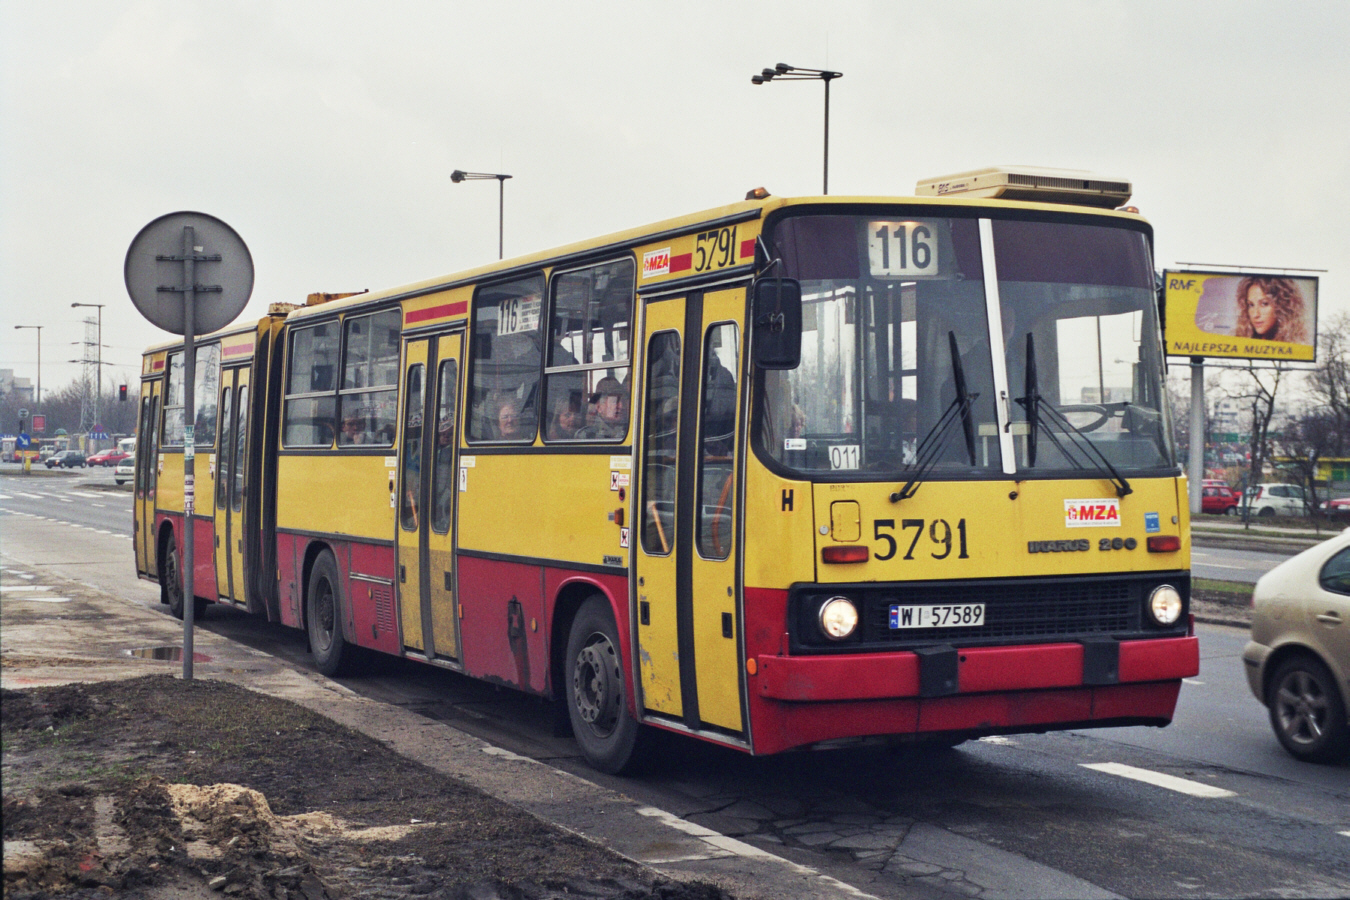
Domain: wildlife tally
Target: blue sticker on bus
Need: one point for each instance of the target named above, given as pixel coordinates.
(1151, 523)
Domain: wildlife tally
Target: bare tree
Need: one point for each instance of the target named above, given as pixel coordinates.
(1258, 391)
(1307, 440)
(1329, 384)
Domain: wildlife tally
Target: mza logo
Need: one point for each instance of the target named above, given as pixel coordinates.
(1092, 513)
(657, 262)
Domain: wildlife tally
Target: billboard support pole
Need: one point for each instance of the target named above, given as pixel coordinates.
(1196, 468)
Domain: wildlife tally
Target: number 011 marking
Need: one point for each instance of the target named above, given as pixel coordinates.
(902, 249)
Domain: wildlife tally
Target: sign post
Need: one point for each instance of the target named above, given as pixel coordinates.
(188, 238)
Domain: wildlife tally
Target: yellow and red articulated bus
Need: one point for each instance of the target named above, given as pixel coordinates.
(790, 473)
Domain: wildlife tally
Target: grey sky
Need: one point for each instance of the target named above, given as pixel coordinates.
(325, 132)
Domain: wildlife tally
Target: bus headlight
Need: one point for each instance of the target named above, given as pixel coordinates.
(1164, 604)
(838, 618)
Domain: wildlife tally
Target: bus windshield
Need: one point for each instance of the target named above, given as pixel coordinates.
(888, 297)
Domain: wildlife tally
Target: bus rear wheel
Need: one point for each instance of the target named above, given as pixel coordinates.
(333, 655)
(171, 584)
(597, 698)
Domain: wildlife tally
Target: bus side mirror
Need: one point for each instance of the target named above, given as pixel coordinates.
(778, 323)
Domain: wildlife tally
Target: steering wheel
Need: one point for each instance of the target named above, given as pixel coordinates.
(1101, 412)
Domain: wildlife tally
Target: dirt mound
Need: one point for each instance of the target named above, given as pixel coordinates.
(156, 787)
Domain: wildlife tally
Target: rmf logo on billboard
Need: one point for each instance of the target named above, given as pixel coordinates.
(1241, 315)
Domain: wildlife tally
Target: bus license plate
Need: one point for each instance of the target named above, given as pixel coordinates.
(959, 616)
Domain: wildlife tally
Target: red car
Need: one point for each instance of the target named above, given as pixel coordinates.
(106, 458)
(1219, 499)
(1337, 509)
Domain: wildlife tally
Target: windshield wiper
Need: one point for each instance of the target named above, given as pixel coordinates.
(935, 442)
(1035, 406)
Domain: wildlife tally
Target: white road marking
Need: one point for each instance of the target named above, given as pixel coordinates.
(6, 588)
(1222, 566)
(5, 497)
(720, 845)
(86, 494)
(31, 496)
(1159, 779)
(1191, 681)
(47, 599)
(1344, 833)
(65, 499)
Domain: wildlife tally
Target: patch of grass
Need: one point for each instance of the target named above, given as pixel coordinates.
(1210, 585)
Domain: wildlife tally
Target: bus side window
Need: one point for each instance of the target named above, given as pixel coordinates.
(411, 488)
(660, 443)
(443, 481)
(717, 459)
(507, 352)
(311, 397)
(587, 385)
(223, 453)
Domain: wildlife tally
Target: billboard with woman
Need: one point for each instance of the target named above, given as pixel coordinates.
(1241, 315)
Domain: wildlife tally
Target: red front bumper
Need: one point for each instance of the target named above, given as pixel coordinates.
(799, 700)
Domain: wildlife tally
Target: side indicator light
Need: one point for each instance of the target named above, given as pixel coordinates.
(855, 553)
(1164, 543)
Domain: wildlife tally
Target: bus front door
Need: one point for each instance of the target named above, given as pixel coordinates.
(147, 463)
(428, 492)
(686, 512)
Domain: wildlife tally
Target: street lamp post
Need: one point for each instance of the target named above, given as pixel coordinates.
(785, 72)
(460, 175)
(38, 402)
(98, 395)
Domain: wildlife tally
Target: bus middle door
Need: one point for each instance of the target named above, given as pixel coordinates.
(230, 459)
(428, 492)
(686, 512)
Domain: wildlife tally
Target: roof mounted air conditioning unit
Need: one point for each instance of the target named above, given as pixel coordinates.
(1031, 183)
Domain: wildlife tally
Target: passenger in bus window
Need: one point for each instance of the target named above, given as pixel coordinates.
(508, 422)
(353, 431)
(568, 418)
(610, 419)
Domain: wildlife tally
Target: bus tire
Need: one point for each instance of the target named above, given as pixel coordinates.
(323, 619)
(171, 584)
(595, 688)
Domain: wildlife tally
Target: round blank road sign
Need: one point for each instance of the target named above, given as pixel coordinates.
(145, 273)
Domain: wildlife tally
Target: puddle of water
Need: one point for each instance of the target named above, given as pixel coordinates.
(167, 654)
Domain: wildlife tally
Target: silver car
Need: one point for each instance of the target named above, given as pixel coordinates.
(125, 471)
(1298, 660)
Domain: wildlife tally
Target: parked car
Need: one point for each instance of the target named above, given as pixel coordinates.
(125, 471)
(1298, 660)
(106, 458)
(1219, 499)
(66, 459)
(1276, 500)
(1338, 508)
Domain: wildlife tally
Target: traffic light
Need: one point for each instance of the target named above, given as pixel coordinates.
(121, 392)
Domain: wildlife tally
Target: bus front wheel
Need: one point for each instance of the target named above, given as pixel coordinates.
(597, 704)
(323, 619)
